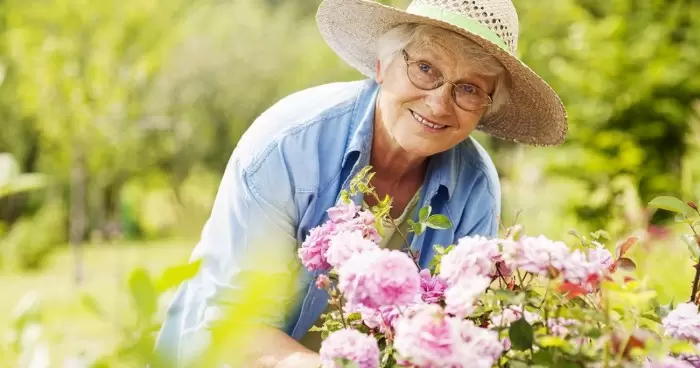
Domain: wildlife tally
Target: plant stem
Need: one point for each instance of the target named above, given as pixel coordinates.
(391, 219)
(339, 306)
(396, 227)
(520, 278)
(697, 269)
(607, 326)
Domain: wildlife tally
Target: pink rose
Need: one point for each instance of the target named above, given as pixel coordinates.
(379, 278)
(432, 287)
(350, 344)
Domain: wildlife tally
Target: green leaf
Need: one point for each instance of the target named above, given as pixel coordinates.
(672, 204)
(504, 294)
(680, 217)
(543, 357)
(600, 234)
(439, 222)
(594, 333)
(551, 341)
(354, 316)
(143, 293)
(92, 305)
(345, 196)
(521, 335)
(175, 275)
(682, 347)
(651, 316)
(518, 364)
(439, 249)
(418, 227)
(424, 213)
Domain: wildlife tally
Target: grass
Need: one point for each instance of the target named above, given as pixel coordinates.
(70, 329)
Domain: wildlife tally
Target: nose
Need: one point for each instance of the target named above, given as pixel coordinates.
(439, 100)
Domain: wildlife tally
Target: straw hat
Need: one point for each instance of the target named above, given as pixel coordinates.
(535, 114)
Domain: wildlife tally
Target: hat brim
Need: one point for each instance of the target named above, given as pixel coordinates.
(534, 115)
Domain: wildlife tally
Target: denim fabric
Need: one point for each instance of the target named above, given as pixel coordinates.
(286, 171)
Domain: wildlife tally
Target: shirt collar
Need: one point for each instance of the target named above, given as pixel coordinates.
(363, 122)
(443, 168)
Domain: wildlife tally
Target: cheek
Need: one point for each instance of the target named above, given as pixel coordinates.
(402, 91)
(468, 121)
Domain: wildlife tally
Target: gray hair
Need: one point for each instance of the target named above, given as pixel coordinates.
(393, 41)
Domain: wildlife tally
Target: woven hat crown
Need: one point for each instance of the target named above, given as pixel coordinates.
(499, 16)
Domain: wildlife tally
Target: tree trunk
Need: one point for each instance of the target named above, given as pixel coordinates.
(78, 211)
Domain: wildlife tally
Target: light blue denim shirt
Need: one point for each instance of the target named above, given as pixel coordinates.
(286, 171)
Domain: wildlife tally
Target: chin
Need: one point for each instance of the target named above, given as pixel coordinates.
(419, 148)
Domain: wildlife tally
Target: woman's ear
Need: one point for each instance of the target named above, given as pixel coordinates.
(378, 73)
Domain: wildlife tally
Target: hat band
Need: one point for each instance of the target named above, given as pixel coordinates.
(458, 20)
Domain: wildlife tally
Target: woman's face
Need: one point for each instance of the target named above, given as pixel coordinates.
(426, 122)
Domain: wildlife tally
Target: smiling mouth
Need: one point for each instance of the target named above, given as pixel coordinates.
(427, 123)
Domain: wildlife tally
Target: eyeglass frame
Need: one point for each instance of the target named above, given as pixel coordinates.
(442, 80)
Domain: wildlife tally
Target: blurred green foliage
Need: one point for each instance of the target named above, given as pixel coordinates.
(28, 346)
(120, 116)
(132, 108)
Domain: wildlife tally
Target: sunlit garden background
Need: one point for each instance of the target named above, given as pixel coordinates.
(117, 119)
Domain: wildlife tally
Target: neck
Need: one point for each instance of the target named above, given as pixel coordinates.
(389, 160)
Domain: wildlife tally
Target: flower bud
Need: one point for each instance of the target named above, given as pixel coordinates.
(323, 282)
(693, 205)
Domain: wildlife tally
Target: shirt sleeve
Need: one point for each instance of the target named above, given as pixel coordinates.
(253, 213)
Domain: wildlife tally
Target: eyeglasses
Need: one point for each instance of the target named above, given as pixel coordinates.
(426, 77)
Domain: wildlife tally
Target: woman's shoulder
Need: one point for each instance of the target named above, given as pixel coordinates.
(306, 131)
(475, 155)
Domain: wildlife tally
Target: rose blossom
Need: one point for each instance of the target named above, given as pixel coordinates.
(432, 287)
(382, 318)
(459, 298)
(385, 317)
(511, 314)
(378, 278)
(343, 212)
(313, 249)
(536, 255)
(344, 245)
(345, 217)
(600, 256)
(683, 323)
(429, 338)
(350, 344)
(349, 218)
(559, 327)
(473, 256)
(323, 281)
(481, 347)
(578, 270)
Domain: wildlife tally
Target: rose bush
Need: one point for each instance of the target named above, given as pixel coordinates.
(514, 301)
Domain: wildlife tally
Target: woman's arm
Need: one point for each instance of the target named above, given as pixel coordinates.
(253, 214)
(275, 349)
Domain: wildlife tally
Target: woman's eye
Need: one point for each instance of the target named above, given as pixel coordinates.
(467, 89)
(425, 68)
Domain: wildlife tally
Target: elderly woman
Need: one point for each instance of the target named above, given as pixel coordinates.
(438, 70)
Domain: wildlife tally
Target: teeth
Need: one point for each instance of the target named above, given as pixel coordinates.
(426, 123)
